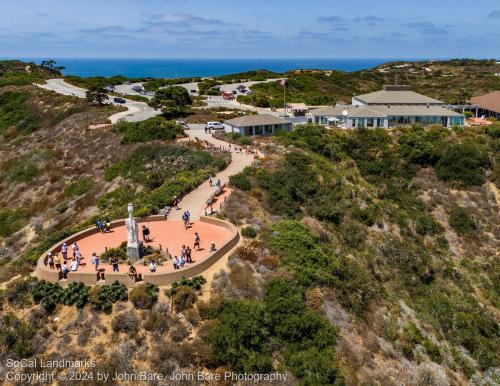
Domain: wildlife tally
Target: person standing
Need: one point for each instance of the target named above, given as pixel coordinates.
(64, 271)
(50, 261)
(97, 262)
(197, 240)
(74, 265)
(114, 263)
(210, 180)
(176, 262)
(175, 203)
(145, 234)
(188, 255)
(152, 266)
(64, 251)
(75, 249)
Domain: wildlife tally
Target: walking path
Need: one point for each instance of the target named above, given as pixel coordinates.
(195, 201)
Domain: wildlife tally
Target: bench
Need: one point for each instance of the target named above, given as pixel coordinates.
(165, 211)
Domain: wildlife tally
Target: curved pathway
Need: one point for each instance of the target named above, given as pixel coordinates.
(137, 111)
(195, 201)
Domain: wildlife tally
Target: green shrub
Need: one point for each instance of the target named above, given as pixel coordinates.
(149, 130)
(144, 296)
(47, 294)
(24, 170)
(240, 181)
(461, 221)
(102, 298)
(15, 112)
(427, 225)
(195, 283)
(249, 232)
(464, 163)
(18, 292)
(12, 221)
(16, 337)
(79, 187)
(241, 338)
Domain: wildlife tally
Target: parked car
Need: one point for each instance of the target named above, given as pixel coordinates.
(138, 89)
(193, 91)
(240, 87)
(119, 100)
(215, 126)
(183, 124)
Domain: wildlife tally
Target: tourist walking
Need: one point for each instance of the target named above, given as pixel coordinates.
(175, 203)
(197, 240)
(210, 180)
(188, 255)
(152, 266)
(182, 261)
(212, 247)
(74, 265)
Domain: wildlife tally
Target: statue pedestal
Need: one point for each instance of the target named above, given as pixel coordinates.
(134, 252)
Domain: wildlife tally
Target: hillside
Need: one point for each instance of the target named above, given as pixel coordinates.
(451, 81)
(368, 257)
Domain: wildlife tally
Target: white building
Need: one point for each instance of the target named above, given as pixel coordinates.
(392, 106)
(260, 124)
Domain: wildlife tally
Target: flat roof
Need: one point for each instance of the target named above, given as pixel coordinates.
(490, 101)
(255, 120)
(395, 97)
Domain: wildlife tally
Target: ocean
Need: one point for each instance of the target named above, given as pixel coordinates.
(185, 68)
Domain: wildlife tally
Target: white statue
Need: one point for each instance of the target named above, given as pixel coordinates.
(133, 251)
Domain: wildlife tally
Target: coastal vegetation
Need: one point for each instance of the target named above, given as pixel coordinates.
(363, 228)
(450, 81)
(367, 257)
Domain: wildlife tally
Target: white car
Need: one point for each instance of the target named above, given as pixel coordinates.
(215, 126)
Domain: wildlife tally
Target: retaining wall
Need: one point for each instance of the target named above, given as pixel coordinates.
(43, 272)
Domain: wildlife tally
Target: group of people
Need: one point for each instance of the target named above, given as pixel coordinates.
(217, 183)
(60, 261)
(104, 226)
(184, 257)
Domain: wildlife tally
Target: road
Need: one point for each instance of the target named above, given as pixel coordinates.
(137, 111)
(212, 101)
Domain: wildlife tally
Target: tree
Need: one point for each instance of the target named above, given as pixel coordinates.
(51, 65)
(97, 94)
(173, 100)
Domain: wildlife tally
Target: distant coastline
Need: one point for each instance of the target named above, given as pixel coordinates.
(185, 68)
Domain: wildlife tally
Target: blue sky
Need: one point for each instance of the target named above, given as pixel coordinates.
(250, 28)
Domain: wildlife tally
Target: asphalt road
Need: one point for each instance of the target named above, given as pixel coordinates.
(137, 111)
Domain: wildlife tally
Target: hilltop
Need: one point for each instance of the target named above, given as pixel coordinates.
(453, 82)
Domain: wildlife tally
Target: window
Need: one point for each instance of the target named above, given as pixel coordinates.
(259, 130)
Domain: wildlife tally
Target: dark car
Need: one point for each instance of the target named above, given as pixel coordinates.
(119, 100)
